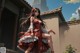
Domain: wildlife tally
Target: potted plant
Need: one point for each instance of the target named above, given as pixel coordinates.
(70, 49)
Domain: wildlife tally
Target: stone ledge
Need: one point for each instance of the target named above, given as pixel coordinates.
(10, 51)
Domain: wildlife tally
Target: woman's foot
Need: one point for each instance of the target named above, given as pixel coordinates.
(27, 51)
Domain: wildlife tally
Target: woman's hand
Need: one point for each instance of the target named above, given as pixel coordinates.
(32, 34)
(51, 31)
(21, 33)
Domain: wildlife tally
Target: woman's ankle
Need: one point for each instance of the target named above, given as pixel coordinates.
(27, 51)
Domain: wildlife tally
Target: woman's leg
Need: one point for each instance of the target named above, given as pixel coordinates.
(29, 48)
(20, 48)
(48, 36)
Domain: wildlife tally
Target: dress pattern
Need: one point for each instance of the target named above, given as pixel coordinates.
(39, 42)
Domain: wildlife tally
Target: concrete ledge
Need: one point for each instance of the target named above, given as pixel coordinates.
(10, 51)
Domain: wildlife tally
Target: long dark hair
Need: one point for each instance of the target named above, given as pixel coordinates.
(26, 23)
(39, 17)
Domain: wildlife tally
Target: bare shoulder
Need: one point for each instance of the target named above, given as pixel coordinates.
(31, 18)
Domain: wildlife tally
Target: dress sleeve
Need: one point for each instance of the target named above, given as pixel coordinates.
(44, 30)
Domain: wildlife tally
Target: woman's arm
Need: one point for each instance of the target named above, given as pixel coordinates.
(20, 34)
(31, 25)
(46, 30)
(51, 31)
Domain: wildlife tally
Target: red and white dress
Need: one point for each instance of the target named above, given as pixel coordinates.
(37, 38)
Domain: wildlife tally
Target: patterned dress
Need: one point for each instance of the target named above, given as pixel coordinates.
(39, 42)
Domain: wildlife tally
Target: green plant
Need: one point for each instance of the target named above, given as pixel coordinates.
(70, 49)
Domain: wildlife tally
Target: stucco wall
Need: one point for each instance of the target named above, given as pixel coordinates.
(52, 22)
(70, 34)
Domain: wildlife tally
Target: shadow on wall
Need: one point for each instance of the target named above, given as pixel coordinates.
(62, 28)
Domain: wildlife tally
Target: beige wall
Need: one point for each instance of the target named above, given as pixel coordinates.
(52, 22)
(65, 34)
(70, 34)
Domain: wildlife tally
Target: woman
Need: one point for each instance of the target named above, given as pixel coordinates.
(36, 34)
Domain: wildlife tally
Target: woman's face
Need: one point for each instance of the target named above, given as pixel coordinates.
(36, 13)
